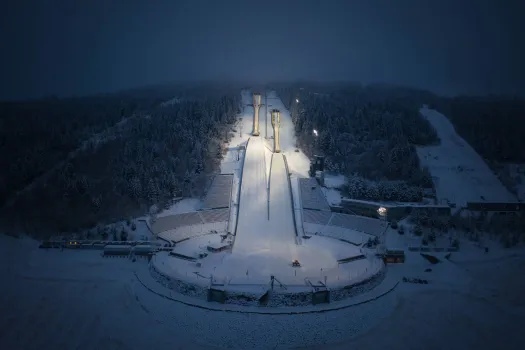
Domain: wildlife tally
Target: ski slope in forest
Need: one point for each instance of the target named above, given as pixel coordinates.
(459, 173)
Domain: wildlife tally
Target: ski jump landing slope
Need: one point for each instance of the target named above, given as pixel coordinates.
(253, 216)
(282, 230)
(264, 241)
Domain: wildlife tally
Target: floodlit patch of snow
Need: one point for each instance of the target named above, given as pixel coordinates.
(335, 232)
(184, 205)
(142, 231)
(297, 161)
(253, 207)
(244, 125)
(460, 175)
(196, 245)
(318, 257)
(332, 195)
(334, 180)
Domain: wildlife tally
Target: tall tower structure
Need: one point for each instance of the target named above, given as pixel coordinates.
(256, 106)
(276, 123)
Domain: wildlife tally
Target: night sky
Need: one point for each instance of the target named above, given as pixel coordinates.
(68, 47)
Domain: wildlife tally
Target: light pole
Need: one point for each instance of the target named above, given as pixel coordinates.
(315, 140)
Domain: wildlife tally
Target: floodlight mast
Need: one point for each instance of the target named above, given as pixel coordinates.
(256, 107)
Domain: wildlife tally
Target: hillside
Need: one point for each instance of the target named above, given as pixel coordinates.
(493, 126)
(131, 160)
(368, 134)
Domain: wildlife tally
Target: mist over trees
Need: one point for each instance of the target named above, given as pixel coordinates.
(367, 133)
(147, 154)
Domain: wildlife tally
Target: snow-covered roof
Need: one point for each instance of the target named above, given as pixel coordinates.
(117, 247)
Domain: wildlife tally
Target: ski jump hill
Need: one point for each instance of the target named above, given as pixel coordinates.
(265, 207)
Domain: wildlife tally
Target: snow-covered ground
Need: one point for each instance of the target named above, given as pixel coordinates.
(334, 180)
(355, 237)
(92, 302)
(297, 161)
(184, 205)
(318, 257)
(253, 206)
(459, 173)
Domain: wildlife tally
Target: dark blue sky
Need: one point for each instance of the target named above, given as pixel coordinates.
(68, 47)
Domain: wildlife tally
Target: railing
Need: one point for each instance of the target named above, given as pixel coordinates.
(291, 194)
(268, 189)
(239, 192)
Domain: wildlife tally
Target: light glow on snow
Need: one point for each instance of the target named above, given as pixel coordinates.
(265, 243)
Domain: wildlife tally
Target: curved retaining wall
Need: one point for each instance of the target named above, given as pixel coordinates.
(276, 299)
(179, 286)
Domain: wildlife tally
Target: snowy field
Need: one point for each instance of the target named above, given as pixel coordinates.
(318, 256)
(96, 303)
(459, 173)
(355, 237)
(184, 205)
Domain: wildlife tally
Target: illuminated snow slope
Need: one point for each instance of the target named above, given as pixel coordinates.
(253, 221)
(297, 161)
(460, 174)
(265, 242)
(281, 228)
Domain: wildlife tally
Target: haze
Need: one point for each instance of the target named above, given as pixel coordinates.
(63, 47)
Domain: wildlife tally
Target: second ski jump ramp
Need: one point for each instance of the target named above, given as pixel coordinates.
(281, 225)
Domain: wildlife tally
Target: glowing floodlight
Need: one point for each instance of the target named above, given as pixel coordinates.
(297, 100)
(315, 132)
(381, 211)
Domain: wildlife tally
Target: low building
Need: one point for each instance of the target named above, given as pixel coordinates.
(143, 249)
(117, 250)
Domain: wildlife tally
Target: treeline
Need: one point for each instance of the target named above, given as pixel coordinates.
(366, 133)
(159, 153)
(35, 135)
(492, 125)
